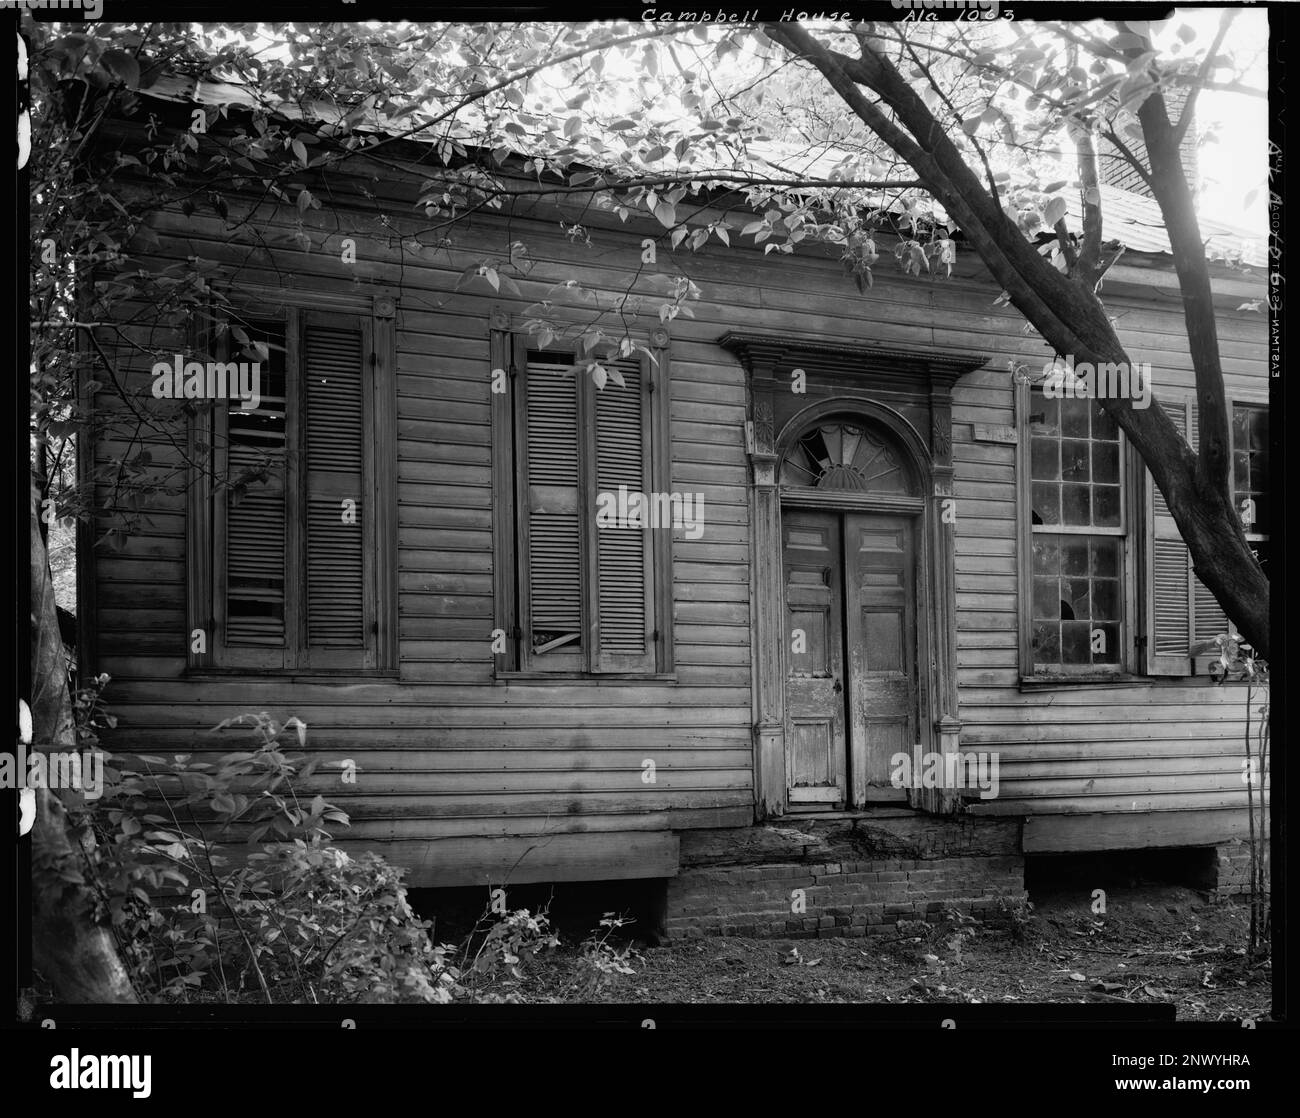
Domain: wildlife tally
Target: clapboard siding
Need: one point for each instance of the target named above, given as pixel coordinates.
(446, 753)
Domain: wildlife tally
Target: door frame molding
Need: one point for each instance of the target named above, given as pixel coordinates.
(903, 391)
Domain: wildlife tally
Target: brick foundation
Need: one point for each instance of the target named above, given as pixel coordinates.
(1232, 869)
(851, 896)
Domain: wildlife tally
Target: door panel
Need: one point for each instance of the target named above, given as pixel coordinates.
(814, 689)
(880, 563)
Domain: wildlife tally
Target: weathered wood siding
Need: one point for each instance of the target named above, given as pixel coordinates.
(449, 758)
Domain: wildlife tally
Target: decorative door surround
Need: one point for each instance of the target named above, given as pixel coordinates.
(901, 392)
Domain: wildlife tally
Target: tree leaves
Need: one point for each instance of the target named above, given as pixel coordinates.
(122, 66)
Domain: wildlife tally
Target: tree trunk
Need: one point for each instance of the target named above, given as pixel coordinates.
(1070, 317)
(75, 956)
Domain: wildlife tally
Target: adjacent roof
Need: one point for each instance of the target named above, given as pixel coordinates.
(1130, 218)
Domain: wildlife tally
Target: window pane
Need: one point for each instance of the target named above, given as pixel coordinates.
(1105, 509)
(1045, 417)
(1076, 505)
(1047, 555)
(1105, 651)
(1105, 558)
(1074, 460)
(1045, 459)
(1047, 598)
(1047, 642)
(1105, 599)
(1074, 643)
(1074, 557)
(1047, 503)
(1074, 418)
(1103, 425)
(1105, 462)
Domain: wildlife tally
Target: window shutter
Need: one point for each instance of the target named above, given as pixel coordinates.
(256, 515)
(1181, 610)
(333, 363)
(552, 586)
(624, 604)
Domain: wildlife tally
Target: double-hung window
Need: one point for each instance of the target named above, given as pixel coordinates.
(1079, 538)
(582, 578)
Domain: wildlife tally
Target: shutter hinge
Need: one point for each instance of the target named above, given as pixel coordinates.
(374, 360)
(1140, 641)
(655, 635)
(513, 371)
(517, 634)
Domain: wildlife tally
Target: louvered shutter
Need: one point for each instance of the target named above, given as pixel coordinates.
(623, 600)
(1181, 610)
(333, 359)
(256, 518)
(551, 528)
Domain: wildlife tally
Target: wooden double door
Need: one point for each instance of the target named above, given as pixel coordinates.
(851, 686)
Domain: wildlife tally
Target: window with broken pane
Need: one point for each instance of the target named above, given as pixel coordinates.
(1077, 517)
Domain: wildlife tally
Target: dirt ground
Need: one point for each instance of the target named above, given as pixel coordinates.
(1153, 944)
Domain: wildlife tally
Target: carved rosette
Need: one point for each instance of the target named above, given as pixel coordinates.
(764, 435)
(941, 432)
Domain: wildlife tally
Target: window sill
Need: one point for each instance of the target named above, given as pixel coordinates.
(1054, 682)
(585, 677)
(293, 675)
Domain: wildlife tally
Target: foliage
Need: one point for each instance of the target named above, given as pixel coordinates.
(295, 919)
(298, 918)
(89, 713)
(604, 962)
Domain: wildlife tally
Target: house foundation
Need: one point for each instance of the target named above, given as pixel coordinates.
(848, 875)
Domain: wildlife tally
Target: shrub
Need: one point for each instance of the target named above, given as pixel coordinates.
(297, 919)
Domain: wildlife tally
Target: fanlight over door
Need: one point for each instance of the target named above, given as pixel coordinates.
(845, 456)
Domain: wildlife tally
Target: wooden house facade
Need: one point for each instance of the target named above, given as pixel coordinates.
(865, 533)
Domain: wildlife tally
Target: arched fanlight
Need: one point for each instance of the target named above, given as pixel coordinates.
(838, 455)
